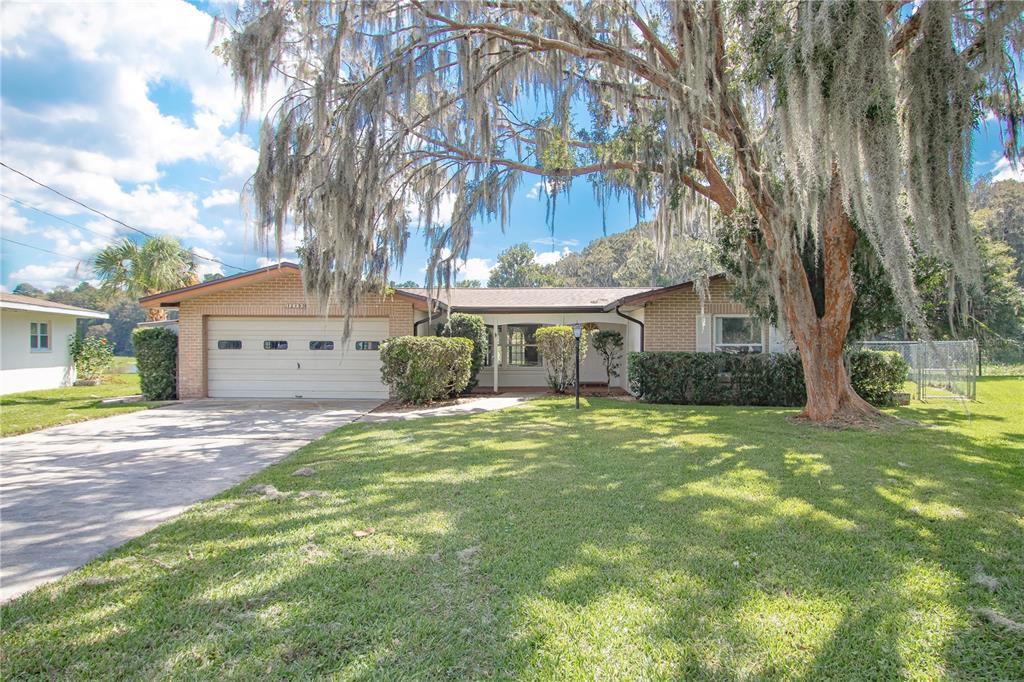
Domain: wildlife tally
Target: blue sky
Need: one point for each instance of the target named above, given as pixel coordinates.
(123, 106)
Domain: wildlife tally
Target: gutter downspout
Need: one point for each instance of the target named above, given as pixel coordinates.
(633, 319)
(416, 326)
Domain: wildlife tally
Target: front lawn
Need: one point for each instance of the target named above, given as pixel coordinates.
(34, 410)
(624, 541)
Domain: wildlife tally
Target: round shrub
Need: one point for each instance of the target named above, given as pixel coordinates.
(877, 376)
(156, 353)
(421, 369)
(472, 327)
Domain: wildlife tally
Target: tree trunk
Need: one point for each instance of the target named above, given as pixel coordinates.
(156, 314)
(821, 339)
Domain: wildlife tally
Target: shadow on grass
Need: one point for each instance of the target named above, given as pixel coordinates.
(624, 541)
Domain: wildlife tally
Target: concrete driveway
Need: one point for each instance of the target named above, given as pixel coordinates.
(70, 493)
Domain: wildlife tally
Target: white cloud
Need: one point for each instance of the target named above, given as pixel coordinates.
(63, 272)
(204, 266)
(99, 134)
(442, 212)
(538, 187)
(221, 197)
(475, 268)
(555, 242)
(11, 221)
(1004, 170)
(552, 257)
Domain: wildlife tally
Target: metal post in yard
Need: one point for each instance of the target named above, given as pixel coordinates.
(577, 332)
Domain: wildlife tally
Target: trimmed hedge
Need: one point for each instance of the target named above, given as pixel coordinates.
(878, 376)
(718, 378)
(775, 379)
(156, 353)
(472, 327)
(421, 369)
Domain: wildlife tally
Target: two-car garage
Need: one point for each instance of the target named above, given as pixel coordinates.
(294, 357)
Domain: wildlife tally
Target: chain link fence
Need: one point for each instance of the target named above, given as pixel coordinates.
(939, 369)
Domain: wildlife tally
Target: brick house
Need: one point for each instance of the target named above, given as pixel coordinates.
(257, 334)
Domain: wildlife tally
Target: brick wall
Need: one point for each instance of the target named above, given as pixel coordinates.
(670, 321)
(281, 296)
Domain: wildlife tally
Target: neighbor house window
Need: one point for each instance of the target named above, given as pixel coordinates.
(229, 345)
(737, 334)
(39, 336)
(275, 345)
(321, 345)
(367, 345)
(522, 348)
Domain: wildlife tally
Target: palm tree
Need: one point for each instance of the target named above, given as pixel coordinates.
(158, 264)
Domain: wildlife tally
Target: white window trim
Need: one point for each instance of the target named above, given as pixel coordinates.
(49, 336)
(716, 346)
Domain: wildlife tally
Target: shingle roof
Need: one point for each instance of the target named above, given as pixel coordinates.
(505, 299)
(17, 300)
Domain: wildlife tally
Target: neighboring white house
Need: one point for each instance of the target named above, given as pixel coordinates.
(34, 336)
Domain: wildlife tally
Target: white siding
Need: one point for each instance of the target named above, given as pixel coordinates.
(21, 369)
(298, 372)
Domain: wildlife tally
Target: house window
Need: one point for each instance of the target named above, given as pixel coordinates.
(275, 345)
(367, 345)
(39, 337)
(522, 348)
(737, 334)
(489, 355)
(229, 345)
(321, 345)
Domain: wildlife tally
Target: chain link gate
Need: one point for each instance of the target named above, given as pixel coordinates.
(940, 369)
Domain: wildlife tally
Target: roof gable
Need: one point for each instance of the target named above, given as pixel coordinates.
(528, 299)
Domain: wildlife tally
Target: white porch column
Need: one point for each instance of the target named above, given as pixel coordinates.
(495, 354)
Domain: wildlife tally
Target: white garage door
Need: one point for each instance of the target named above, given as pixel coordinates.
(299, 357)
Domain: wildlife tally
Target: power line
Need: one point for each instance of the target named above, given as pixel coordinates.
(108, 217)
(29, 246)
(55, 217)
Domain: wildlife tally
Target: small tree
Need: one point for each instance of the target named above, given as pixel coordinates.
(91, 356)
(558, 347)
(472, 327)
(608, 343)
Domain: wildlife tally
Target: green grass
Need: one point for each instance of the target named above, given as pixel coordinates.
(624, 541)
(1003, 369)
(24, 412)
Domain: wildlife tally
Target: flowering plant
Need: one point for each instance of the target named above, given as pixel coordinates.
(92, 356)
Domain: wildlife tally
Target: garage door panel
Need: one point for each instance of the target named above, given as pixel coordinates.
(254, 372)
(240, 362)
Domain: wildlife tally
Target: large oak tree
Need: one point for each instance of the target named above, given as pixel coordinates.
(813, 122)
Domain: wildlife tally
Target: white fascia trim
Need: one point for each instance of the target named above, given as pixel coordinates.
(74, 312)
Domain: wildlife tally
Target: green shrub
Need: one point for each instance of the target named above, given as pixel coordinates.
(557, 346)
(156, 355)
(878, 376)
(472, 327)
(91, 355)
(421, 369)
(753, 378)
(608, 344)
